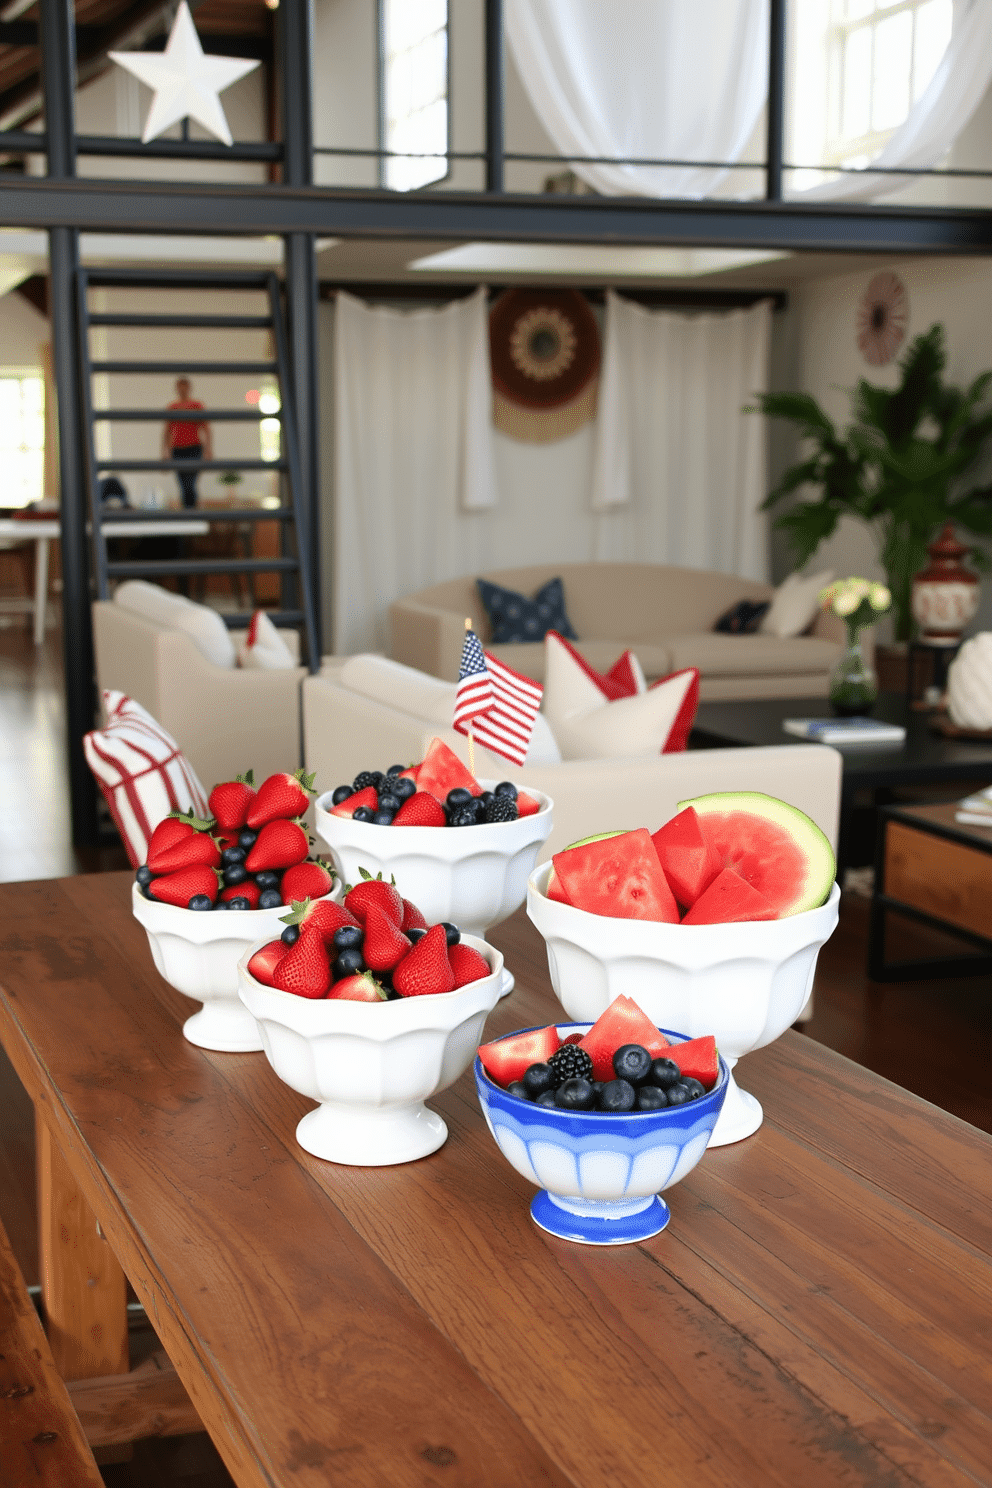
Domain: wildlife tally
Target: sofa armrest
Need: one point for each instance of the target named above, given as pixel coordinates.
(428, 639)
(344, 732)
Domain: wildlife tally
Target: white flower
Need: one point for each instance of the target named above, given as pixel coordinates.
(826, 596)
(860, 587)
(846, 603)
(880, 598)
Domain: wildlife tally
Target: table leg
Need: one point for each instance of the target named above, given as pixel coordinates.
(83, 1286)
(40, 588)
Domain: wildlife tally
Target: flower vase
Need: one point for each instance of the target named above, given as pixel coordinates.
(853, 684)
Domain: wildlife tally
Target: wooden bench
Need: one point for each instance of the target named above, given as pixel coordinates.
(42, 1444)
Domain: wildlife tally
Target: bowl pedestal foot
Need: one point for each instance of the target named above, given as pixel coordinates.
(225, 1025)
(741, 1115)
(600, 1222)
(364, 1138)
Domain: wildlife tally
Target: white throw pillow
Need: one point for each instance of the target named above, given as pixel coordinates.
(264, 648)
(203, 625)
(794, 604)
(586, 726)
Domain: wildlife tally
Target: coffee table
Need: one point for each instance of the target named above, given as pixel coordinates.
(815, 1314)
(923, 759)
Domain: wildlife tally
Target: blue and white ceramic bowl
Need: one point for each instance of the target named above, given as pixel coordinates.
(600, 1174)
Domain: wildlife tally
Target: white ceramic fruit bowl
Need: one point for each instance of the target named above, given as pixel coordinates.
(197, 952)
(372, 1065)
(600, 1174)
(743, 983)
(472, 877)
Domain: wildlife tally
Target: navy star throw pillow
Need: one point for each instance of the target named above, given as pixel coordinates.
(515, 618)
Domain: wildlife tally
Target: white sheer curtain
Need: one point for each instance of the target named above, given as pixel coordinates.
(413, 455)
(679, 469)
(658, 79)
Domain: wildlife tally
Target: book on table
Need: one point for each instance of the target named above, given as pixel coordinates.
(845, 730)
(976, 810)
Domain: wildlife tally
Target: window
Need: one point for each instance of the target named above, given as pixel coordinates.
(414, 81)
(22, 436)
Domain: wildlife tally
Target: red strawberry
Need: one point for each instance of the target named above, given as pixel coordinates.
(466, 964)
(248, 890)
(231, 801)
(280, 798)
(307, 880)
(173, 829)
(305, 969)
(198, 850)
(264, 962)
(412, 918)
(426, 969)
(574, 1038)
(279, 844)
(179, 888)
(374, 891)
(420, 810)
(384, 945)
(321, 915)
(358, 988)
(368, 797)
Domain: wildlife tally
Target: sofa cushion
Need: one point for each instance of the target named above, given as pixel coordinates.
(751, 655)
(654, 657)
(203, 625)
(589, 726)
(794, 604)
(513, 617)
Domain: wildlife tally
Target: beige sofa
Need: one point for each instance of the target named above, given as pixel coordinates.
(666, 615)
(225, 720)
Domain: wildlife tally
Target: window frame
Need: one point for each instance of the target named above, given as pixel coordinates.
(381, 61)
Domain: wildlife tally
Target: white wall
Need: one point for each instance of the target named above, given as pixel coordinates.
(22, 331)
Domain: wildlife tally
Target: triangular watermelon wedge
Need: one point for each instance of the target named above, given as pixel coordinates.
(440, 771)
(729, 899)
(697, 1059)
(527, 805)
(619, 877)
(688, 861)
(775, 847)
(624, 1022)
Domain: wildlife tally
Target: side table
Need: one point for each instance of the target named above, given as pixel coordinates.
(937, 871)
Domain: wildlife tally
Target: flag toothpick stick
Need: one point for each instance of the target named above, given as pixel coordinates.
(471, 740)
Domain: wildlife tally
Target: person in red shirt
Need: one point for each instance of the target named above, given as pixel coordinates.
(186, 439)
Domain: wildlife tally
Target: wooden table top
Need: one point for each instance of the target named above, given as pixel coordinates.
(817, 1313)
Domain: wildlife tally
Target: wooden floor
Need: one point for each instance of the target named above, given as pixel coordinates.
(932, 1037)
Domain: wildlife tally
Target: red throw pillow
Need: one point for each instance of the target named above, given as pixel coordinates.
(624, 679)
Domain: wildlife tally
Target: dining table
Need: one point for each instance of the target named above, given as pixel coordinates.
(818, 1313)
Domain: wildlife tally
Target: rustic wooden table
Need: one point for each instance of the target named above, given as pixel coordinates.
(817, 1313)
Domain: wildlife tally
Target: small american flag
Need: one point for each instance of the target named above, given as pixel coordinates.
(502, 705)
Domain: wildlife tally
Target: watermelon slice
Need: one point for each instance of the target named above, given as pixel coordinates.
(624, 1022)
(773, 846)
(554, 889)
(728, 900)
(367, 797)
(687, 859)
(506, 1059)
(527, 805)
(697, 1059)
(618, 876)
(440, 771)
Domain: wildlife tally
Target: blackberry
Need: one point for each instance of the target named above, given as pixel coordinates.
(570, 1063)
(501, 809)
(365, 778)
(464, 817)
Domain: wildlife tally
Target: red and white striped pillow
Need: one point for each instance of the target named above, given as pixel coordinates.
(142, 772)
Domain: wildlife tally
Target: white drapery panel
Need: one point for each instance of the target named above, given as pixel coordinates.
(938, 116)
(657, 79)
(679, 470)
(413, 452)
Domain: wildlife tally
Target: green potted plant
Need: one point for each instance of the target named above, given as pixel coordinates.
(900, 466)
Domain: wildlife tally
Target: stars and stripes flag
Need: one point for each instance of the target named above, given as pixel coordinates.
(495, 703)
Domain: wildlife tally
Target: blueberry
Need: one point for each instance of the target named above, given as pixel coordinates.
(200, 901)
(414, 935)
(347, 963)
(348, 937)
(221, 904)
(247, 839)
(235, 873)
(506, 788)
(632, 1062)
(143, 876)
(575, 1095)
(361, 813)
(665, 1073)
(341, 793)
(290, 935)
(403, 789)
(268, 879)
(652, 1098)
(452, 934)
(389, 802)
(269, 899)
(458, 797)
(383, 818)
(239, 903)
(547, 1099)
(679, 1094)
(517, 1088)
(617, 1095)
(539, 1078)
(694, 1087)
(485, 799)
(232, 855)
(396, 769)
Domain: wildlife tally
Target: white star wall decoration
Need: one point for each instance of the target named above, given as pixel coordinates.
(185, 80)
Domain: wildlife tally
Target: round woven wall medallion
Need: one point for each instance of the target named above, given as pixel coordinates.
(544, 345)
(882, 319)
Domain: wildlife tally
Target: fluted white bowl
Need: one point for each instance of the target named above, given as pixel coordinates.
(197, 952)
(744, 983)
(371, 1066)
(472, 877)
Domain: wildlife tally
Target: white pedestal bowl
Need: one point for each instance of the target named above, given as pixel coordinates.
(472, 877)
(371, 1066)
(743, 983)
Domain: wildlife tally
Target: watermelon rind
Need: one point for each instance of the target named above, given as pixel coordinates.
(754, 810)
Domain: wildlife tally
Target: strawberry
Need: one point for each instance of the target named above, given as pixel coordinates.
(426, 969)
(197, 850)
(420, 810)
(175, 828)
(248, 890)
(466, 964)
(412, 918)
(374, 891)
(279, 844)
(179, 888)
(280, 798)
(264, 962)
(358, 988)
(305, 969)
(321, 915)
(231, 801)
(368, 797)
(384, 945)
(307, 880)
